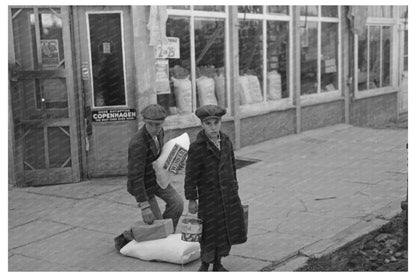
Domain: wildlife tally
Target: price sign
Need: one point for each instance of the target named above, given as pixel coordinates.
(170, 50)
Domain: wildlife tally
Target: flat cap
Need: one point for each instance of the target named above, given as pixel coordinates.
(210, 111)
(154, 112)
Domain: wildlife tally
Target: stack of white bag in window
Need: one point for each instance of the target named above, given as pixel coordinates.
(171, 248)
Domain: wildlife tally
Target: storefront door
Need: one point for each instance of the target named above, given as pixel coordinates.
(103, 39)
(42, 96)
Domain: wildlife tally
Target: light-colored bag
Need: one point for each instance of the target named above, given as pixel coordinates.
(255, 90)
(206, 91)
(245, 97)
(274, 85)
(183, 94)
(172, 159)
(171, 249)
(220, 89)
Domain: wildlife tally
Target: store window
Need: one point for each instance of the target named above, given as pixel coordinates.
(403, 12)
(374, 57)
(319, 49)
(263, 54)
(198, 76)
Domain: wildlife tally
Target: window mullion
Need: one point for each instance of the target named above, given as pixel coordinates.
(340, 71)
(193, 64)
(368, 56)
(319, 57)
(381, 56)
(264, 58)
(227, 60)
(355, 63)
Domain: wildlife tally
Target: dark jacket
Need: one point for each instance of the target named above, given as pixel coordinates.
(141, 182)
(211, 178)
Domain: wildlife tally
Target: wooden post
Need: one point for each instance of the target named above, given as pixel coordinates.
(234, 72)
(296, 62)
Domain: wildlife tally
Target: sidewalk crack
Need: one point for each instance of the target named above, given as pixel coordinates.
(53, 235)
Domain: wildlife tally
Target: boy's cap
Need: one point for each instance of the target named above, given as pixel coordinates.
(210, 111)
(154, 113)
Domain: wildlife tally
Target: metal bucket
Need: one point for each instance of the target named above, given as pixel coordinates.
(191, 229)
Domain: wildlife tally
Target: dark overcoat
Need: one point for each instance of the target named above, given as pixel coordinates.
(212, 180)
(141, 177)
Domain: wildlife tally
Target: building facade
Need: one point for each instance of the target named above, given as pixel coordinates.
(80, 75)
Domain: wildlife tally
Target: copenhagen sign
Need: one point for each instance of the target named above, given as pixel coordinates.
(113, 115)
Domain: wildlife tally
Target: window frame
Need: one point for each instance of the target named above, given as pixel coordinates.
(123, 45)
(378, 22)
(324, 96)
(190, 120)
(270, 105)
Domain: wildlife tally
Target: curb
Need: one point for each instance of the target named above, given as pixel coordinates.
(323, 247)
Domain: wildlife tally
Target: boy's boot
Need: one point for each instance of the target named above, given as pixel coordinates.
(204, 266)
(218, 266)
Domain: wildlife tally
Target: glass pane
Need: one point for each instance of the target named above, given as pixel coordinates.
(179, 100)
(278, 9)
(210, 61)
(329, 11)
(406, 55)
(179, 7)
(309, 10)
(380, 11)
(250, 9)
(59, 147)
(34, 149)
(210, 8)
(107, 59)
(55, 94)
(251, 61)
(309, 58)
(403, 11)
(375, 57)
(43, 98)
(24, 39)
(51, 40)
(386, 77)
(329, 57)
(362, 61)
(277, 59)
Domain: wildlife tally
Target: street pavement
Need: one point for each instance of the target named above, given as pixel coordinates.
(308, 194)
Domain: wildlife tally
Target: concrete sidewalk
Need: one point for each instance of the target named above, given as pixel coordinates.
(308, 194)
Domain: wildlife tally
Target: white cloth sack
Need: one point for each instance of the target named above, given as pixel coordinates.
(220, 89)
(255, 90)
(245, 97)
(171, 249)
(274, 85)
(182, 89)
(171, 159)
(206, 91)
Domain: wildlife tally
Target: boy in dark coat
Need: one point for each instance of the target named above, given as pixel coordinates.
(144, 148)
(212, 189)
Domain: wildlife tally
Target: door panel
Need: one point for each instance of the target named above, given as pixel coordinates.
(42, 95)
(105, 41)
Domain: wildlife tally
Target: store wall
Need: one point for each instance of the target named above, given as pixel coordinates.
(320, 115)
(272, 125)
(374, 110)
